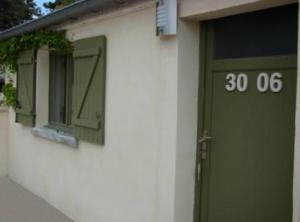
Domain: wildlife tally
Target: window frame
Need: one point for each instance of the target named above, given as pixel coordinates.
(65, 127)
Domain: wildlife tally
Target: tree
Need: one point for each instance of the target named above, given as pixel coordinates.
(32, 9)
(15, 12)
(57, 4)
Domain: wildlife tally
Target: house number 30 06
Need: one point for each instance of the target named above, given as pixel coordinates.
(264, 82)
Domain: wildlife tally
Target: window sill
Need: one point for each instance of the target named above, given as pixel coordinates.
(55, 135)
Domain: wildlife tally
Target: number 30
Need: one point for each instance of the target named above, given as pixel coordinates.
(239, 82)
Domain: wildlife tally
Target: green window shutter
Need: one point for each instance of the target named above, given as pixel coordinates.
(25, 107)
(88, 97)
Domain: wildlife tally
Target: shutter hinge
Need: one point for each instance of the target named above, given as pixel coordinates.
(18, 104)
(99, 118)
(98, 115)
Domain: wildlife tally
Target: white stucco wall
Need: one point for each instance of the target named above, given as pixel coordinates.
(208, 9)
(3, 141)
(132, 177)
(187, 119)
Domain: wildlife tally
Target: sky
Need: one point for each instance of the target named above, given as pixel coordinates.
(40, 4)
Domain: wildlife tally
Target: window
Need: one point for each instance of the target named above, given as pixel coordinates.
(60, 90)
(76, 89)
(269, 32)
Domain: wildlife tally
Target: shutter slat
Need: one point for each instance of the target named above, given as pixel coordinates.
(25, 61)
(86, 52)
(87, 123)
(24, 112)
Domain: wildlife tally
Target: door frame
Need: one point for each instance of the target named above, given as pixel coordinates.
(201, 108)
(205, 60)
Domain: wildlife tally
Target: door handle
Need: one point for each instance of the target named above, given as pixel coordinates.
(204, 139)
(203, 144)
(203, 151)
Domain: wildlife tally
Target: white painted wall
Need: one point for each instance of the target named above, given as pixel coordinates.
(3, 141)
(187, 102)
(208, 9)
(132, 177)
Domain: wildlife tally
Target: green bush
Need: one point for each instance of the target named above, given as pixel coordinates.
(10, 94)
(10, 48)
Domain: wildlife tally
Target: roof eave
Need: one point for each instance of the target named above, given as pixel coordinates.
(70, 12)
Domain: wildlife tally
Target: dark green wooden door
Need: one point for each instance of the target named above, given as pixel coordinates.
(247, 172)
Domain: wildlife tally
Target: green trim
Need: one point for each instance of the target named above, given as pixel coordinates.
(206, 120)
(201, 103)
(86, 53)
(273, 62)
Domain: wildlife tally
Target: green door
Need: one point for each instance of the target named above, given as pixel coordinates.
(247, 137)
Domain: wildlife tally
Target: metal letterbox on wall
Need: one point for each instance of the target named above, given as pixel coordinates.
(166, 17)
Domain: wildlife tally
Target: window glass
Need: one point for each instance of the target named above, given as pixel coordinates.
(268, 32)
(59, 94)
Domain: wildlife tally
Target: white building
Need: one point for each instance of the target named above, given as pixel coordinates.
(198, 123)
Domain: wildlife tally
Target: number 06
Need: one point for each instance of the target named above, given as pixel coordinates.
(264, 83)
(276, 82)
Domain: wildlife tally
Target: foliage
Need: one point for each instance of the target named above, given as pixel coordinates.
(10, 93)
(14, 12)
(57, 4)
(10, 48)
(32, 10)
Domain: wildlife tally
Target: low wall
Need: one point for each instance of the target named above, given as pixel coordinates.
(3, 141)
